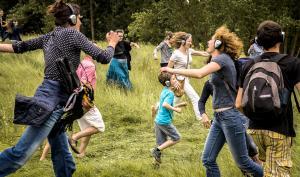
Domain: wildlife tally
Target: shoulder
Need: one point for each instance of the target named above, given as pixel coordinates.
(222, 59)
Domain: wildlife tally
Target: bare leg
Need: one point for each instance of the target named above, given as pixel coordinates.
(86, 132)
(167, 144)
(83, 144)
(45, 151)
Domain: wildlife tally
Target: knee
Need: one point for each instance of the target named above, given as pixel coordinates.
(207, 162)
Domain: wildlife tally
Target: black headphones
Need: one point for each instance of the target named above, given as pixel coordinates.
(218, 44)
(72, 17)
(281, 38)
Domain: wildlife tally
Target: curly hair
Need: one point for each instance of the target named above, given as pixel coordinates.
(231, 43)
(178, 38)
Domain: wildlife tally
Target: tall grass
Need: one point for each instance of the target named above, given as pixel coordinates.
(123, 149)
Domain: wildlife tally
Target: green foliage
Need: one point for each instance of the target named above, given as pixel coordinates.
(123, 149)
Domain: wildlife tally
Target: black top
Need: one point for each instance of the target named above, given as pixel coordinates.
(290, 67)
(63, 42)
(206, 92)
(122, 50)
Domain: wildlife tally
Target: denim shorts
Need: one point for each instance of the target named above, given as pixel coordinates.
(162, 132)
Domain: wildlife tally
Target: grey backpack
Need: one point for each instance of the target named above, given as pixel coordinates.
(264, 90)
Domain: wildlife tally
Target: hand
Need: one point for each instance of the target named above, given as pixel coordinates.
(205, 121)
(112, 38)
(155, 57)
(177, 109)
(166, 69)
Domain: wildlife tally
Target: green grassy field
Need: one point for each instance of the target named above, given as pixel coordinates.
(123, 149)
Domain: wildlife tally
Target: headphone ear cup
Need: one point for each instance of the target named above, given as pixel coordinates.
(218, 44)
(282, 36)
(73, 19)
(168, 83)
(182, 42)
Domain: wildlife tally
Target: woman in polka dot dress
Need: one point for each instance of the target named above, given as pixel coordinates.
(64, 41)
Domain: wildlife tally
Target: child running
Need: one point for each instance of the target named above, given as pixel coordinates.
(163, 120)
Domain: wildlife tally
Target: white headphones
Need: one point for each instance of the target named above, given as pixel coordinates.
(218, 44)
(168, 83)
(72, 17)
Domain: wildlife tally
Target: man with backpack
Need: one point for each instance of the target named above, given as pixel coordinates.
(265, 88)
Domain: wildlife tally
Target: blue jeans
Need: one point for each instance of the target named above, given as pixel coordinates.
(228, 126)
(15, 157)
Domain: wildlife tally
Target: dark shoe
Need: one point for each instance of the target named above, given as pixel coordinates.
(73, 145)
(156, 154)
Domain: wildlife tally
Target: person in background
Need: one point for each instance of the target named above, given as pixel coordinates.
(254, 49)
(118, 71)
(181, 59)
(165, 50)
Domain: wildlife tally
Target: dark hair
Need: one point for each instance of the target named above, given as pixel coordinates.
(208, 59)
(61, 11)
(163, 77)
(268, 34)
(169, 35)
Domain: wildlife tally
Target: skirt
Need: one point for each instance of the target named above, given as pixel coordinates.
(118, 73)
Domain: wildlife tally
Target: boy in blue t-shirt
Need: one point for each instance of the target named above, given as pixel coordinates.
(163, 120)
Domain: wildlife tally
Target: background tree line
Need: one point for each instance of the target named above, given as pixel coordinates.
(147, 20)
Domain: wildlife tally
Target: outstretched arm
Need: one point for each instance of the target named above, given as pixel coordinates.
(168, 106)
(196, 73)
(200, 53)
(6, 48)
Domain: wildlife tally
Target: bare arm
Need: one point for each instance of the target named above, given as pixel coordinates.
(170, 64)
(200, 53)
(196, 73)
(6, 48)
(238, 101)
(168, 106)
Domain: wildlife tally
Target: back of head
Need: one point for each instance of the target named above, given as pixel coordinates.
(169, 35)
(179, 38)
(163, 77)
(61, 11)
(268, 34)
(231, 44)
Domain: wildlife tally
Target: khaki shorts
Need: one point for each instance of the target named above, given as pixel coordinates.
(92, 118)
(275, 151)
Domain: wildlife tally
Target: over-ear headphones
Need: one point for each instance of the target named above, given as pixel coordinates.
(168, 83)
(183, 41)
(218, 44)
(282, 36)
(72, 17)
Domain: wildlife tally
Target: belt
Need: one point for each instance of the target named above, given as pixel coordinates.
(222, 109)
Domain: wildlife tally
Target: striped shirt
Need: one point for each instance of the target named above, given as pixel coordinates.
(63, 42)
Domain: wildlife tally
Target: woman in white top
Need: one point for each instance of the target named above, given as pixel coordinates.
(179, 60)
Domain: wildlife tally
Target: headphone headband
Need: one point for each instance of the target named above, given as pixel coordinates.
(72, 17)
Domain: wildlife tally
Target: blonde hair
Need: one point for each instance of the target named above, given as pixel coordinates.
(231, 43)
(178, 38)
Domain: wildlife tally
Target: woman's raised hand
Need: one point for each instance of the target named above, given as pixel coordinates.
(112, 38)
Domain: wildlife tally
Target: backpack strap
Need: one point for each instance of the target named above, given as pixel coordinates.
(296, 101)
